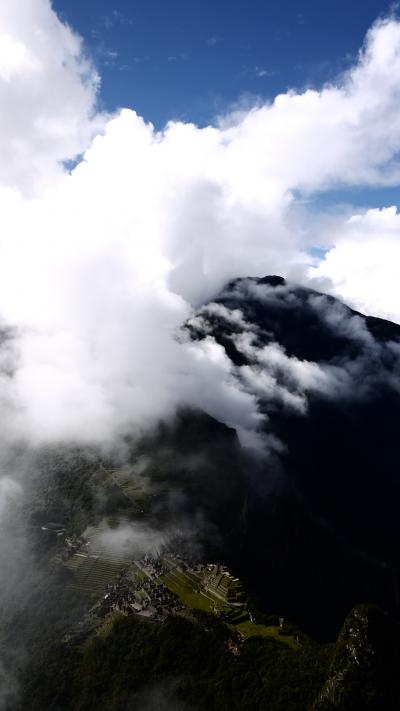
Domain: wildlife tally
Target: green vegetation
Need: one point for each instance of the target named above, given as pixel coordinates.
(250, 629)
(82, 662)
(91, 575)
(187, 588)
(103, 671)
(364, 669)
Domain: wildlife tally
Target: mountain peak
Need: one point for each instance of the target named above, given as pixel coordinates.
(272, 280)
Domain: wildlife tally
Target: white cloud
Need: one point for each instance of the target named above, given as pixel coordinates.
(182, 57)
(47, 94)
(337, 318)
(232, 316)
(261, 72)
(10, 492)
(278, 378)
(116, 18)
(98, 269)
(213, 40)
(363, 267)
(132, 539)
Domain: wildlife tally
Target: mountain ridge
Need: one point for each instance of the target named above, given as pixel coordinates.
(293, 523)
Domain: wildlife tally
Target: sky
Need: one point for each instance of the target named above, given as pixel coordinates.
(150, 153)
(194, 61)
(189, 60)
(130, 197)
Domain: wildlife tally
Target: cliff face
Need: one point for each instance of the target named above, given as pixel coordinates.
(363, 672)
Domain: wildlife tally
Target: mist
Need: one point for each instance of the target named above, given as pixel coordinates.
(115, 235)
(101, 265)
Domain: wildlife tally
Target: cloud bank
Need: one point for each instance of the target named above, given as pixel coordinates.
(363, 267)
(100, 266)
(47, 93)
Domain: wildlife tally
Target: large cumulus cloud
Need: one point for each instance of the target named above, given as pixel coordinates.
(363, 265)
(47, 94)
(99, 267)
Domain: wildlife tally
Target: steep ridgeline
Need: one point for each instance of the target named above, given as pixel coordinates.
(363, 671)
(194, 661)
(322, 530)
(310, 526)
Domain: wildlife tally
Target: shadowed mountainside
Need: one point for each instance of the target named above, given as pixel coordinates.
(310, 525)
(328, 536)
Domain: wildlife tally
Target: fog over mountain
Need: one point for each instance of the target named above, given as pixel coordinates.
(131, 288)
(101, 265)
(326, 380)
(307, 519)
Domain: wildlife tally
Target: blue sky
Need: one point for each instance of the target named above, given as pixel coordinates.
(190, 60)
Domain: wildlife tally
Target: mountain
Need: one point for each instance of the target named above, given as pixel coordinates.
(327, 380)
(302, 508)
(188, 663)
(363, 668)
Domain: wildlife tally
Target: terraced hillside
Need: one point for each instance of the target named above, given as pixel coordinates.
(97, 564)
(190, 591)
(91, 574)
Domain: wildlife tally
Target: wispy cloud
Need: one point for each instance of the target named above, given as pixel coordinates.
(110, 57)
(134, 62)
(257, 71)
(106, 56)
(182, 57)
(116, 18)
(213, 40)
(261, 72)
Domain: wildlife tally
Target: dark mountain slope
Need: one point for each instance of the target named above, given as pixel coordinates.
(330, 537)
(310, 525)
(363, 672)
(122, 665)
